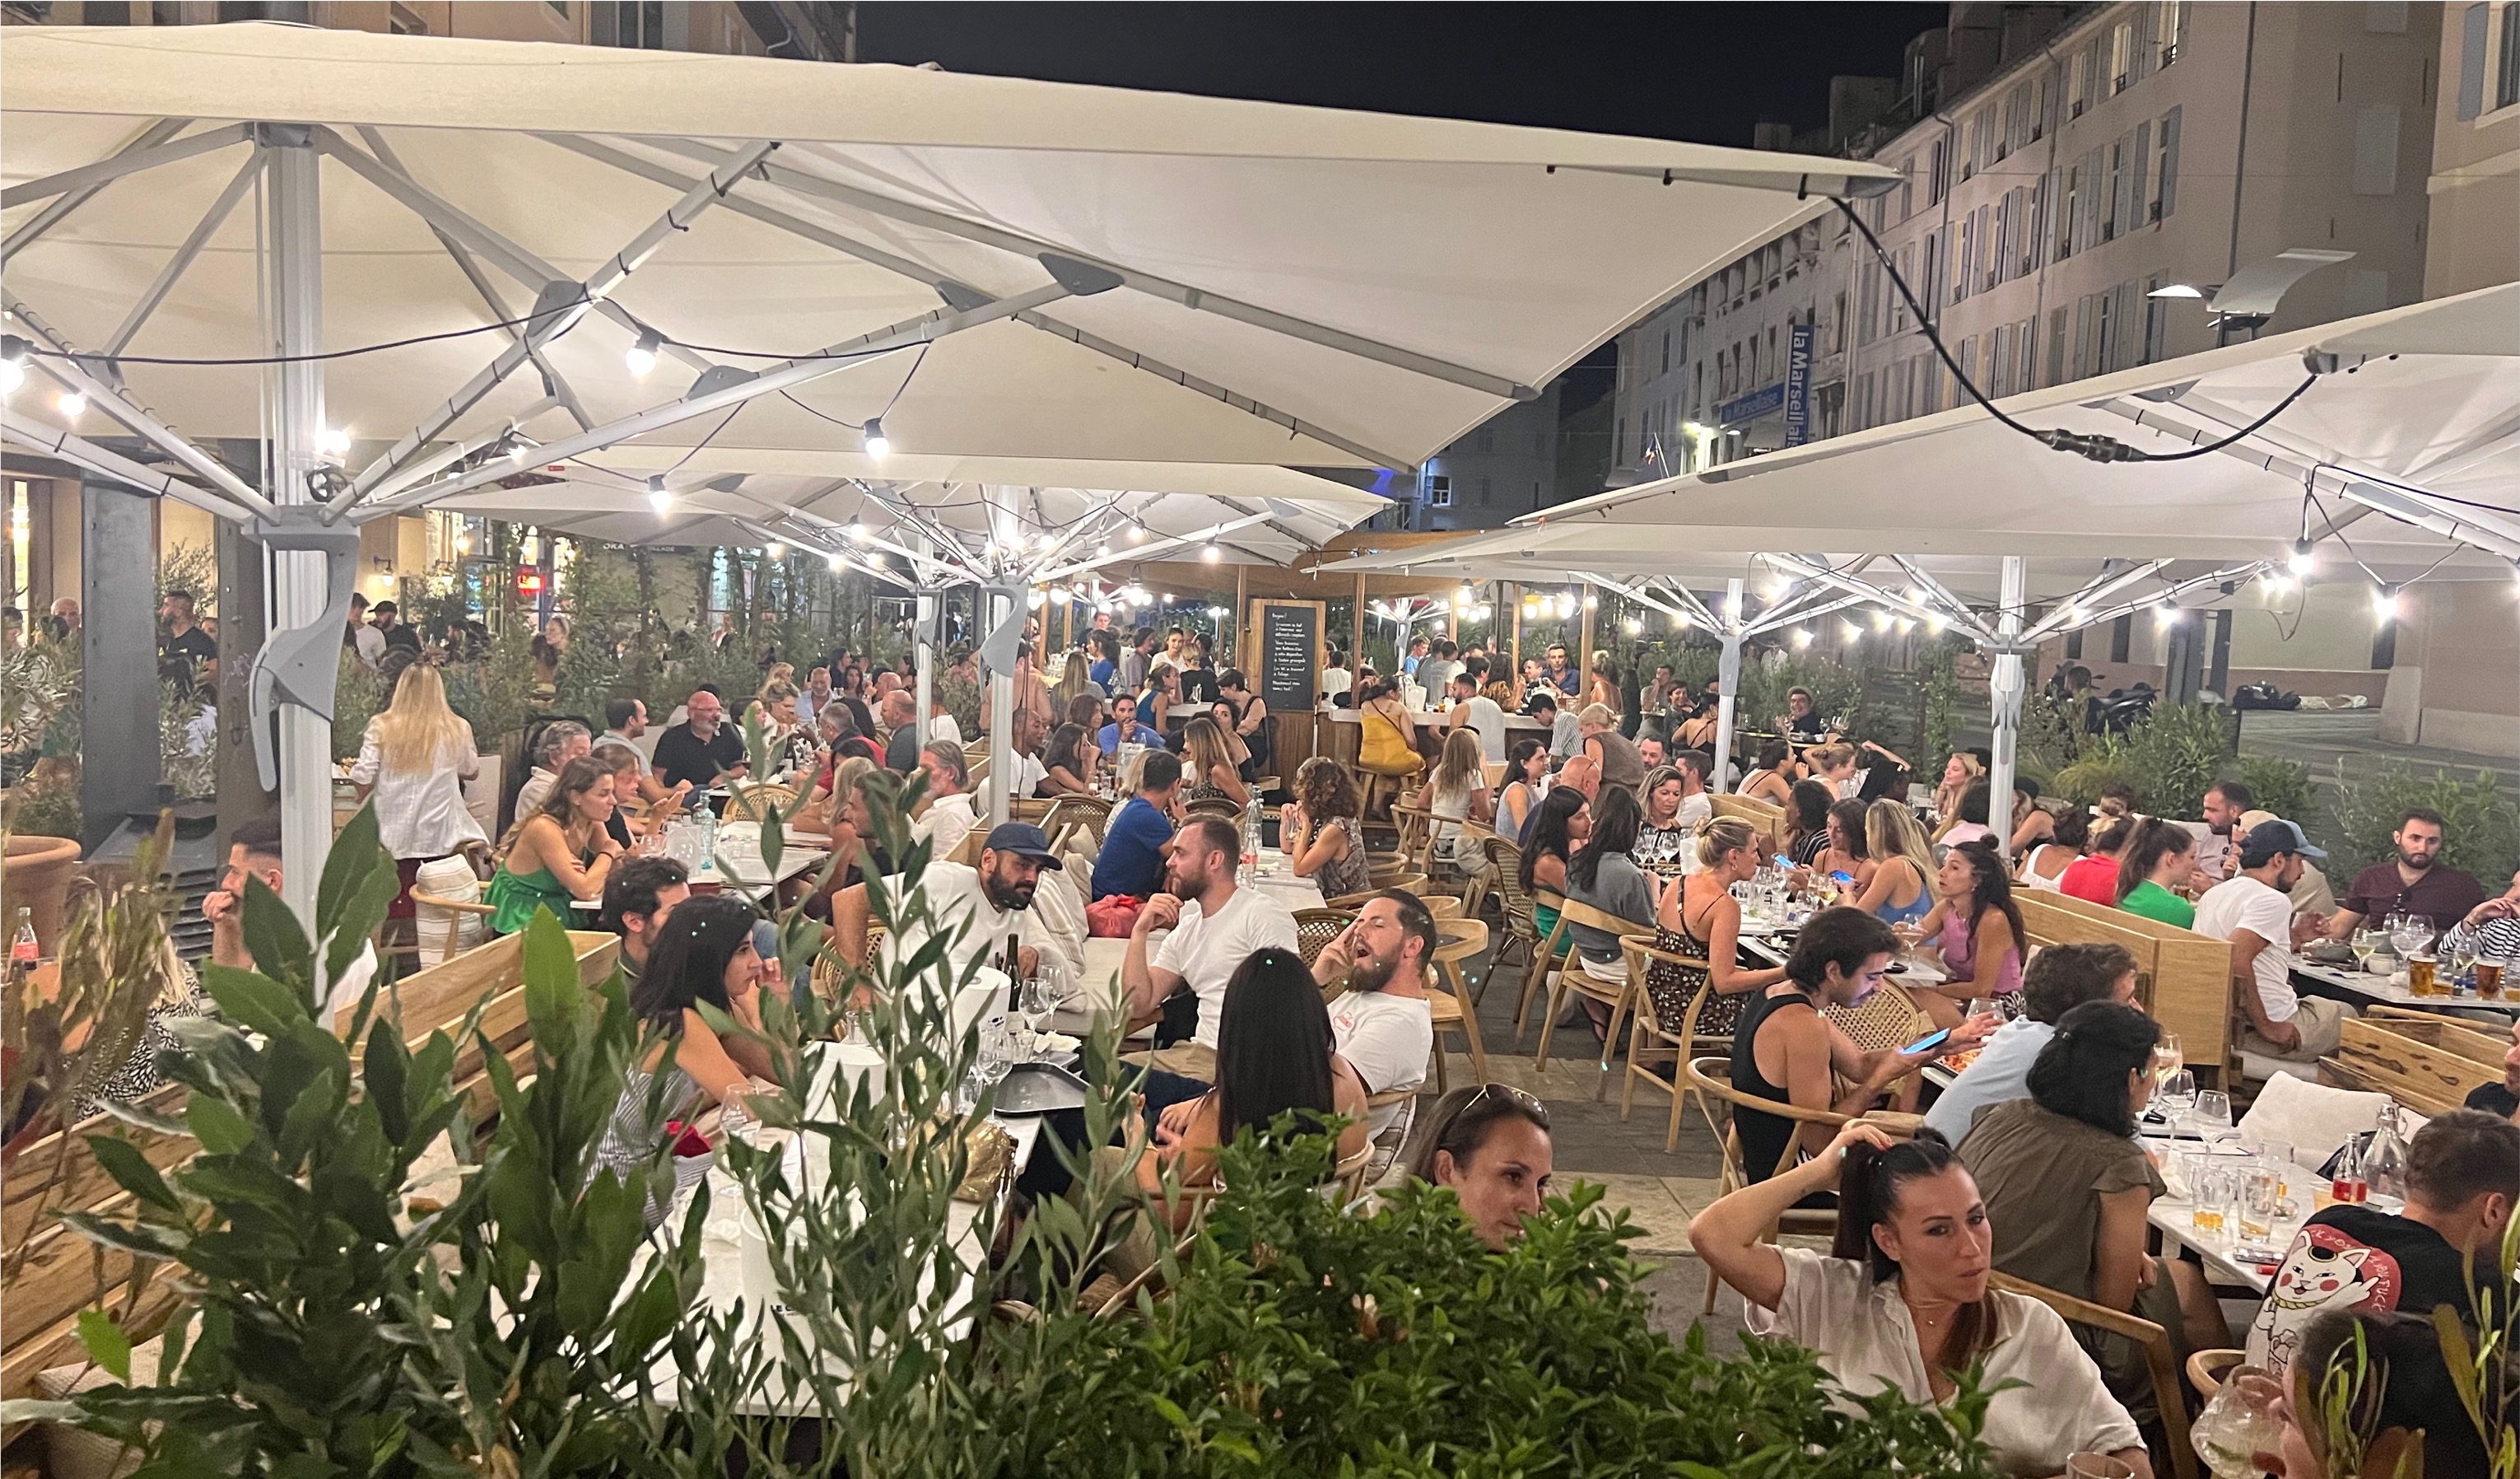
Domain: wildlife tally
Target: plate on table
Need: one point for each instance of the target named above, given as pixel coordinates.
(1032, 1089)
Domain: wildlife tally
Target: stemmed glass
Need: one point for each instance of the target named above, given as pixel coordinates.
(2167, 1057)
(2178, 1096)
(1038, 1000)
(2408, 934)
(2213, 1114)
(2366, 942)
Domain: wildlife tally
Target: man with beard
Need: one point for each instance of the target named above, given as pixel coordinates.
(1382, 1022)
(2218, 846)
(1214, 925)
(987, 903)
(2414, 883)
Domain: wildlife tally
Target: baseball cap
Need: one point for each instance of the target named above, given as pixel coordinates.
(1024, 840)
(2268, 838)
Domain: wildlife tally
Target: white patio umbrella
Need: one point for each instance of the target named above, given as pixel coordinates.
(831, 257)
(2413, 415)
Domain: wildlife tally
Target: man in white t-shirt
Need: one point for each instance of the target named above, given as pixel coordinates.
(1215, 927)
(1383, 1023)
(1024, 766)
(1696, 809)
(987, 903)
(2253, 910)
(1480, 712)
(949, 817)
(253, 852)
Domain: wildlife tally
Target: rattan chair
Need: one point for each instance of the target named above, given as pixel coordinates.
(1317, 928)
(1573, 979)
(1710, 1080)
(1550, 952)
(1091, 812)
(1417, 829)
(2160, 1360)
(1407, 883)
(1445, 907)
(1646, 1034)
(755, 800)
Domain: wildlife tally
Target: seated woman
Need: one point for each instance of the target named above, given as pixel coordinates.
(1806, 822)
(1274, 1052)
(1489, 1143)
(1163, 694)
(1847, 852)
(1833, 767)
(1320, 832)
(558, 854)
(1900, 886)
(704, 954)
(1662, 838)
(2067, 1186)
(1770, 778)
(1458, 792)
(1384, 745)
(1902, 1301)
(1067, 762)
(1526, 769)
(1702, 920)
(2094, 875)
(1981, 933)
(1222, 712)
(2157, 862)
(1967, 822)
(2032, 823)
(1605, 876)
(1958, 772)
(1208, 771)
(2043, 866)
(1250, 729)
(1558, 831)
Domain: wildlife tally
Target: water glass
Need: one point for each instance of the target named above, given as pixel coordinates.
(2178, 1096)
(2261, 1190)
(2211, 1197)
(2243, 1421)
(2096, 1466)
(2213, 1114)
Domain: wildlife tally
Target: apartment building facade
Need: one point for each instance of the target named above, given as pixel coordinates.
(2474, 189)
(727, 27)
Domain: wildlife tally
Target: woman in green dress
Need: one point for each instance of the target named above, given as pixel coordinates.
(558, 852)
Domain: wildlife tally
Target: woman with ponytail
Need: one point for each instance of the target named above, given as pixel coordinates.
(2160, 859)
(1903, 1302)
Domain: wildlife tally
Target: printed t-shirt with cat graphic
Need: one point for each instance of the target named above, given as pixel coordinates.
(2354, 1257)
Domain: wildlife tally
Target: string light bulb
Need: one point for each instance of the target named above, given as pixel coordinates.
(2386, 604)
(877, 445)
(859, 532)
(776, 550)
(1802, 636)
(641, 356)
(832, 558)
(1210, 553)
(72, 404)
(657, 498)
(2304, 561)
(12, 363)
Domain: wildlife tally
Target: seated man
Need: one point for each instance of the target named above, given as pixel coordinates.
(1214, 925)
(253, 852)
(2414, 882)
(2463, 1177)
(949, 817)
(1382, 1021)
(985, 904)
(1140, 832)
(1124, 729)
(637, 897)
(2253, 910)
(2501, 1098)
(2060, 978)
(701, 747)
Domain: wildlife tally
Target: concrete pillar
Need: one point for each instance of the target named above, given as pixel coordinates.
(119, 761)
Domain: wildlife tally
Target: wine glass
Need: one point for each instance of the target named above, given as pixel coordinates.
(1038, 1000)
(2096, 1466)
(2409, 935)
(997, 1057)
(1984, 1006)
(2178, 1096)
(2213, 1114)
(2167, 1057)
(2366, 942)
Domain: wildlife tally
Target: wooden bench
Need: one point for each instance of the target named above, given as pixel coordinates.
(2428, 1063)
(2182, 978)
(490, 976)
(1768, 820)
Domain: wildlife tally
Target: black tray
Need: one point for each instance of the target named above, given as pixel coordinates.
(1031, 1088)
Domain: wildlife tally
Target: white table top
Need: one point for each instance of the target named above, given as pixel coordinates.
(2376, 988)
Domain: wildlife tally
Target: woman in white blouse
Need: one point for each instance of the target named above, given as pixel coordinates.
(1904, 1302)
(415, 759)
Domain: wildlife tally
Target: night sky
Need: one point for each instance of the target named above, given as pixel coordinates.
(1704, 72)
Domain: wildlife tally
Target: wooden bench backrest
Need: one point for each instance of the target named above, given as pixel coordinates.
(2182, 978)
(1766, 818)
(2429, 1065)
(439, 997)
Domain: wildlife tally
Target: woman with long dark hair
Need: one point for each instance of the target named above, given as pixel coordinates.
(1605, 876)
(1981, 933)
(1526, 769)
(1902, 1301)
(1489, 1143)
(1068, 762)
(2068, 1187)
(1769, 779)
(1558, 831)
(703, 954)
(557, 852)
(1807, 821)
(1275, 1053)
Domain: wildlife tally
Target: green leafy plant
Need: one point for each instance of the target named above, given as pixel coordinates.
(2482, 823)
(2486, 1367)
(2169, 757)
(2280, 786)
(358, 696)
(495, 691)
(342, 1327)
(1836, 691)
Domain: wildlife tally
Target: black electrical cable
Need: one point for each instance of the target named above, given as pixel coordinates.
(2098, 449)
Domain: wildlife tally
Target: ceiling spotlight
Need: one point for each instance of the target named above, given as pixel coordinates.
(2304, 561)
(1103, 551)
(333, 442)
(877, 445)
(777, 550)
(1465, 596)
(2167, 614)
(72, 404)
(859, 532)
(1210, 553)
(2177, 290)
(1635, 626)
(2075, 616)
(832, 559)
(1033, 598)
(1881, 620)
(1802, 636)
(641, 355)
(1934, 623)
(13, 363)
(1854, 634)
(2386, 606)
(657, 498)
(1775, 587)
(1906, 625)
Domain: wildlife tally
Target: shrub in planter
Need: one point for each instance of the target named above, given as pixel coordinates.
(2280, 786)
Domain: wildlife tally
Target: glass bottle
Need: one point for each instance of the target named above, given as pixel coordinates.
(2384, 1165)
(24, 951)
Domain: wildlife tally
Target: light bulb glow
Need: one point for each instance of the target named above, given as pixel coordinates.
(1137, 534)
(877, 445)
(1590, 601)
(1854, 634)
(641, 356)
(1934, 624)
(13, 363)
(657, 498)
(859, 532)
(2303, 562)
(777, 550)
(1210, 553)
(1881, 620)
(1635, 626)
(2167, 614)
(333, 442)
(2386, 604)
(832, 559)
(1802, 636)
(72, 404)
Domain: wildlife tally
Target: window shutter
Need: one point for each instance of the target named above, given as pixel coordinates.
(2169, 162)
(2472, 63)
(2375, 149)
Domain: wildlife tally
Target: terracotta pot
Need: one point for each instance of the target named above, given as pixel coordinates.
(34, 875)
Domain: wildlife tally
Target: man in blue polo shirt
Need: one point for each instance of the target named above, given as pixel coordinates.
(1124, 729)
(1131, 860)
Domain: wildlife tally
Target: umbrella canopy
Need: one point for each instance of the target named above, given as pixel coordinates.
(2407, 439)
(958, 522)
(990, 266)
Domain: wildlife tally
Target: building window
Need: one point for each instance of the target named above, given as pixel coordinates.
(636, 23)
(1999, 361)
(1938, 167)
(2170, 30)
(2056, 346)
(2165, 169)
(2506, 81)
(402, 20)
(1838, 325)
(2121, 57)
(1666, 352)
(1439, 491)
(2155, 322)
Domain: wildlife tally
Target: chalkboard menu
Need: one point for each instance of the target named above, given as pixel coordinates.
(1291, 639)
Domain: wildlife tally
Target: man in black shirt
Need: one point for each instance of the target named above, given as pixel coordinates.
(389, 621)
(899, 714)
(700, 746)
(185, 652)
(2463, 1177)
(2502, 1099)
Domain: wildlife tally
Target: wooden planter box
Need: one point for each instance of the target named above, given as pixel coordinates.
(2425, 1062)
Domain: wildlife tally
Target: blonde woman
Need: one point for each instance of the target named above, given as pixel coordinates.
(1901, 889)
(1701, 920)
(558, 852)
(1958, 772)
(1208, 766)
(414, 759)
(1458, 792)
(1074, 683)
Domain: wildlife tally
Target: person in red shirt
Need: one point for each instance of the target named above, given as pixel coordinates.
(2094, 876)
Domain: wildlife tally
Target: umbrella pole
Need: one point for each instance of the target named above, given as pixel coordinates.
(296, 285)
(1001, 720)
(1727, 684)
(2005, 691)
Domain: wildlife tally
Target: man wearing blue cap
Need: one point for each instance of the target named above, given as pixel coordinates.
(2253, 910)
(987, 903)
